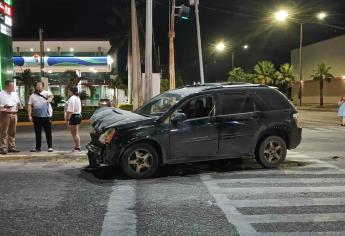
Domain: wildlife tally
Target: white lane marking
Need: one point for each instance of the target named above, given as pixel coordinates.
(287, 202)
(302, 234)
(286, 180)
(120, 219)
(280, 218)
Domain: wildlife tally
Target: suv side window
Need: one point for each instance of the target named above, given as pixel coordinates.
(273, 99)
(202, 106)
(235, 103)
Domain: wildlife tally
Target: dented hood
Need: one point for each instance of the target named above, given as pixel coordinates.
(106, 117)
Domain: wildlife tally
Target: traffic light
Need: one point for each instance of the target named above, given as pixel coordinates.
(184, 12)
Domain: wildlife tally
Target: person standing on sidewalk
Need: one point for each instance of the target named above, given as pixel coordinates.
(341, 110)
(40, 112)
(73, 116)
(9, 104)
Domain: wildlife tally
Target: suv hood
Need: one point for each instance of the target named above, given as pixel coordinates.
(105, 118)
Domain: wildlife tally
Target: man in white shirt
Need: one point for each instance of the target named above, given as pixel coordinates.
(40, 112)
(9, 104)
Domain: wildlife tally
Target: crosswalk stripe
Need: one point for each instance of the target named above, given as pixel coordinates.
(287, 202)
(120, 218)
(275, 218)
(286, 180)
(302, 234)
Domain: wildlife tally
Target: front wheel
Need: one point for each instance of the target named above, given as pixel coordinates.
(140, 161)
(271, 152)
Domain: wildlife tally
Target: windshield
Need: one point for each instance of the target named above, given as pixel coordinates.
(160, 104)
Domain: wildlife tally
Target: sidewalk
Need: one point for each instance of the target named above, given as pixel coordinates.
(318, 118)
(44, 157)
(84, 122)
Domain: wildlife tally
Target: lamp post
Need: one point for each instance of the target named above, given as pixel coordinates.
(201, 63)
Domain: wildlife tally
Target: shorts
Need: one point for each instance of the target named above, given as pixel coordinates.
(75, 119)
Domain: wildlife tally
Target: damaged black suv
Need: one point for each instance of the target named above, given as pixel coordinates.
(193, 124)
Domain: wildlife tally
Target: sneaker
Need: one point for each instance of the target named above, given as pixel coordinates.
(2, 152)
(76, 150)
(50, 150)
(35, 150)
(13, 150)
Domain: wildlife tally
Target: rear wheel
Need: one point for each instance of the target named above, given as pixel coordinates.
(140, 161)
(271, 152)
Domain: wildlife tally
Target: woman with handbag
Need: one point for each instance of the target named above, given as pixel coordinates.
(73, 116)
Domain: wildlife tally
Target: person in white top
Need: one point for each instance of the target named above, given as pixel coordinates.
(73, 116)
(9, 104)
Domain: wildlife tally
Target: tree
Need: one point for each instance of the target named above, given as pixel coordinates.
(265, 73)
(29, 83)
(285, 76)
(239, 75)
(116, 84)
(165, 84)
(320, 74)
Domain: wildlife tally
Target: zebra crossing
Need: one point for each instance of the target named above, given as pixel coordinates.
(304, 201)
(336, 129)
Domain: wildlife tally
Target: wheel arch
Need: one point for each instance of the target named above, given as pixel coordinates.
(274, 131)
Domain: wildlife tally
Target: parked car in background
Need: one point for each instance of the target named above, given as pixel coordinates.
(193, 124)
(104, 102)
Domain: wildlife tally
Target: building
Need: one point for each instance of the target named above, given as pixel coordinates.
(88, 58)
(6, 66)
(331, 52)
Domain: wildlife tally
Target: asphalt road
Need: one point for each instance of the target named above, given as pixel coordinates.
(305, 197)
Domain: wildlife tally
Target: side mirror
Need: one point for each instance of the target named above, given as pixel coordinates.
(179, 117)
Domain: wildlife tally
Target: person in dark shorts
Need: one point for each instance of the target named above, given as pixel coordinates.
(73, 116)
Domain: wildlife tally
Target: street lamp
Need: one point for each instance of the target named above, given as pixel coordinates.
(321, 15)
(281, 15)
(220, 47)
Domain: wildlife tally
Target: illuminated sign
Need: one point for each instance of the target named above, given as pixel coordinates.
(8, 2)
(5, 30)
(8, 21)
(5, 9)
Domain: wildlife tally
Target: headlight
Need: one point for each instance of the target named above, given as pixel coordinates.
(107, 136)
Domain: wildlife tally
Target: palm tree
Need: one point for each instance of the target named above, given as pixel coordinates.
(29, 83)
(265, 72)
(285, 76)
(239, 75)
(116, 84)
(320, 74)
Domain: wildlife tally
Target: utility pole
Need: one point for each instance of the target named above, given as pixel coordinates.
(300, 64)
(137, 90)
(148, 50)
(172, 79)
(40, 32)
(201, 63)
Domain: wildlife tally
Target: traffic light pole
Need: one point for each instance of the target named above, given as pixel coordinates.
(172, 80)
(201, 63)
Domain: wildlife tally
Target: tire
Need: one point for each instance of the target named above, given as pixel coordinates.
(93, 160)
(140, 161)
(271, 152)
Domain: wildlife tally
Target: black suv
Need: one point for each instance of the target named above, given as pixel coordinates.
(193, 124)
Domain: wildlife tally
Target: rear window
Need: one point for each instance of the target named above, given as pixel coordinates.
(274, 99)
(234, 104)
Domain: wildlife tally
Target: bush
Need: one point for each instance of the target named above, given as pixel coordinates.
(125, 106)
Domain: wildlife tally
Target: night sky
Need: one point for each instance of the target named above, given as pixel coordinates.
(235, 21)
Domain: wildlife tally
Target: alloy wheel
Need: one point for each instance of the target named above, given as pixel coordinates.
(140, 161)
(273, 152)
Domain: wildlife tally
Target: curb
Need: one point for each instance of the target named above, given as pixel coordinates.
(84, 122)
(44, 157)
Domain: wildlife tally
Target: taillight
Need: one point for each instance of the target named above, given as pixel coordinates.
(107, 136)
(296, 118)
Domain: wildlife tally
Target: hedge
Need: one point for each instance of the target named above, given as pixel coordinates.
(125, 106)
